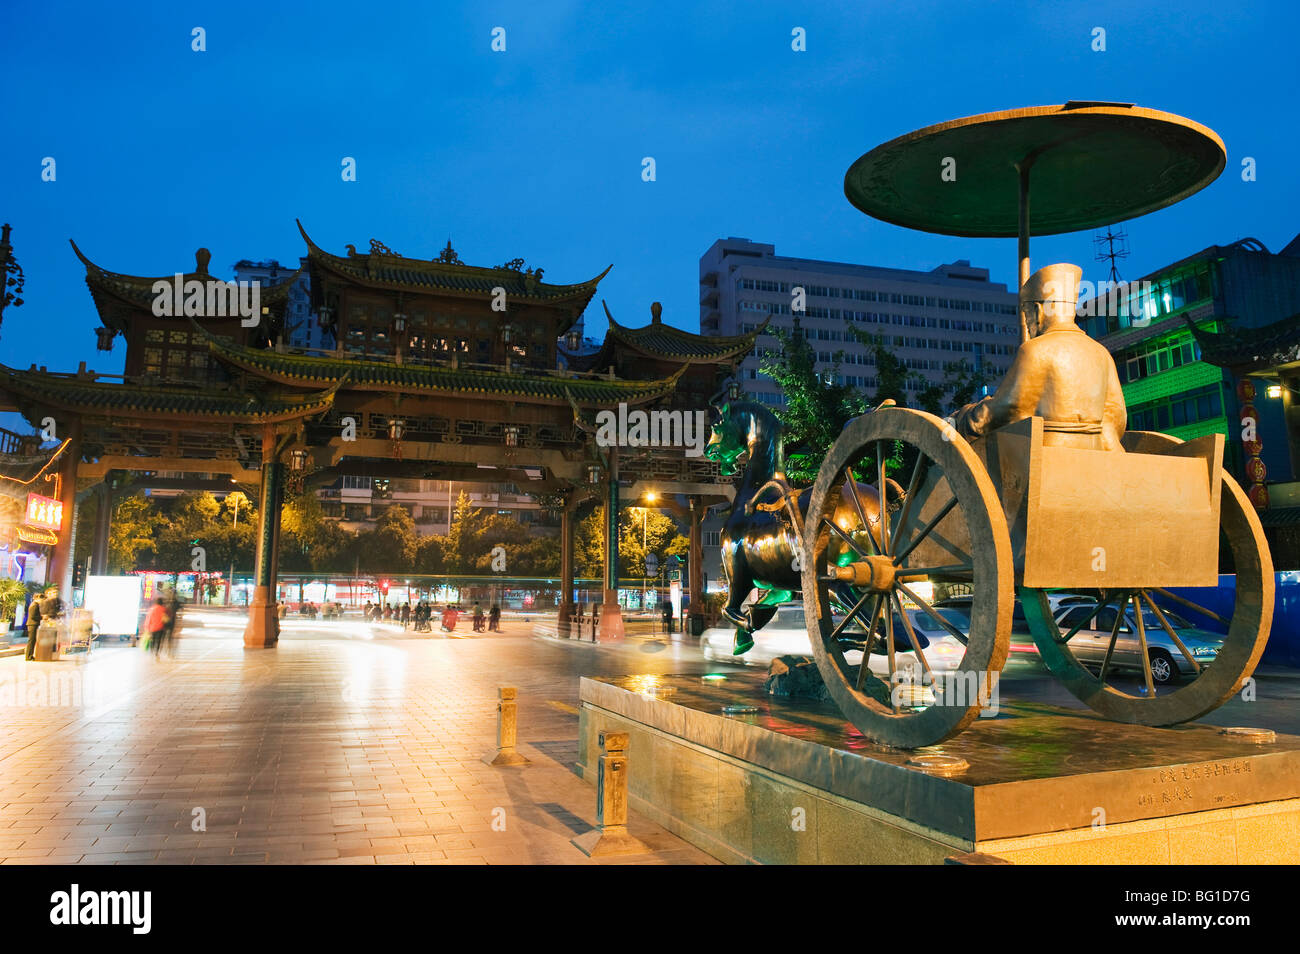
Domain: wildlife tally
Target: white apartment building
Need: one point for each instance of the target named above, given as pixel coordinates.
(929, 319)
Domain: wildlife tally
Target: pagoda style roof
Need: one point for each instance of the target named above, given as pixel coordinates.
(664, 343)
(300, 370)
(89, 396)
(383, 268)
(1251, 350)
(113, 290)
(21, 470)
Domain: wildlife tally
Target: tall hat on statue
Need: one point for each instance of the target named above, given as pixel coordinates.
(1056, 289)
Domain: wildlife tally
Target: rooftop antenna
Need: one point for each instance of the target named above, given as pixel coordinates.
(1111, 245)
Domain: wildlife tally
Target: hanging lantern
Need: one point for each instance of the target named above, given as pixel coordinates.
(512, 435)
(105, 338)
(399, 322)
(573, 340)
(298, 461)
(593, 474)
(733, 390)
(396, 428)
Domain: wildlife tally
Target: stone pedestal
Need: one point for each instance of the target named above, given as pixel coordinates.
(611, 620)
(785, 782)
(263, 629)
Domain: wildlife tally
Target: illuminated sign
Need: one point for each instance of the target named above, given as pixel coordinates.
(44, 512)
(37, 535)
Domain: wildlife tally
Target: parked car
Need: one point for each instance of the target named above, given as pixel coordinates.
(1168, 663)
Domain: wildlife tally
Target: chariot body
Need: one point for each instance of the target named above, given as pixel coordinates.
(906, 510)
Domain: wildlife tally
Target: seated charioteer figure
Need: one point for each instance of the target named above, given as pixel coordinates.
(1059, 373)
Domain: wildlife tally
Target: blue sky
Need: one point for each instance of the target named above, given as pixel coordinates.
(536, 152)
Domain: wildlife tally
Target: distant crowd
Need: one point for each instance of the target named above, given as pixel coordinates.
(420, 616)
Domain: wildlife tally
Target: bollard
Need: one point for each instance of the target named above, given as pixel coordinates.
(507, 721)
(610, 836)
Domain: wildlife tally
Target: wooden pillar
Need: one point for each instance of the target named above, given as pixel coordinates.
(695, 568)
(263, 629)
(566, 566)
(60, 567)
(611, 614)
(103, 528)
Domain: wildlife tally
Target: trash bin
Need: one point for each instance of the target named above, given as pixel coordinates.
(47, 637)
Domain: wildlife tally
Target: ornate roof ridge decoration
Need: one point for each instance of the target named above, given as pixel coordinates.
(138, 289)
(18, 472)
(668, 341)
(90, 396)
(1249, 349)
(300, 370)
(383, 267)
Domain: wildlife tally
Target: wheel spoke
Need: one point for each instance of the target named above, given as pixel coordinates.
(1196, 667)
(912, 484)
(1114, 635)
(848, 618)
(871, 640)
(925, 531)
(1194, 607)
(919, 572)
(857, 505)
(1142, 646)
(911, 633)
(844, 536)
(893, 668)
(1079, 625)
(882, 491)
(934, 615)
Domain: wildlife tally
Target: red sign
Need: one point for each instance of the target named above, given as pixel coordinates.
(44, 512)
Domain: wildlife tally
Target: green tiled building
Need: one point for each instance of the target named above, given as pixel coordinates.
(1168, 386)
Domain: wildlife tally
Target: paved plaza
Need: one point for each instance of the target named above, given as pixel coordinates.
(348, 744)
(331, 748)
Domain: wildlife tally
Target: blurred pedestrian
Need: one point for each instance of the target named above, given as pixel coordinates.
(478, 617)
(449, 617)
(406, 614)
(33, 623)
(494, 619)
(155, 624)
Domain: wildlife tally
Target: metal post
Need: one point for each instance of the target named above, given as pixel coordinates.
(507, 723)
(610, 836)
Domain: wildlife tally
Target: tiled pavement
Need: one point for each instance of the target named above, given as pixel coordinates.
(331, 748)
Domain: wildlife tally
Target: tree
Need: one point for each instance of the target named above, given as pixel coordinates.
(661, 538)
(395, 539)
(892, 373)
(589, 545)
(818, 407)
(132, 532)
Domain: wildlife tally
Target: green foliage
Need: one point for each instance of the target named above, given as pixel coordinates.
(12, 593)
(818, 407)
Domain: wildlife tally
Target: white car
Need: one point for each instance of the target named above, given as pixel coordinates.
(787, 635)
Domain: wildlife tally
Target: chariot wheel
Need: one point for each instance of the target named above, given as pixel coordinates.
(881, 567)
(1136, 694)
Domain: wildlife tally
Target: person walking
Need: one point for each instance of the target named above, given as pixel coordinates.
(155, 624)
(494, 619)
(406, 615)
(33, 624)
(478, 617)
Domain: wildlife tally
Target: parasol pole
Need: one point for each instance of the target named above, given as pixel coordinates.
(1022, 168)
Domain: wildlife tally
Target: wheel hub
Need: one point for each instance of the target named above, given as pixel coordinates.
(875, 573)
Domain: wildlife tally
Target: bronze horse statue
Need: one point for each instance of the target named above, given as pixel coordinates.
(762, 538)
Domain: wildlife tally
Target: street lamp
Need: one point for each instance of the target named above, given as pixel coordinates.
(1274, 391)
